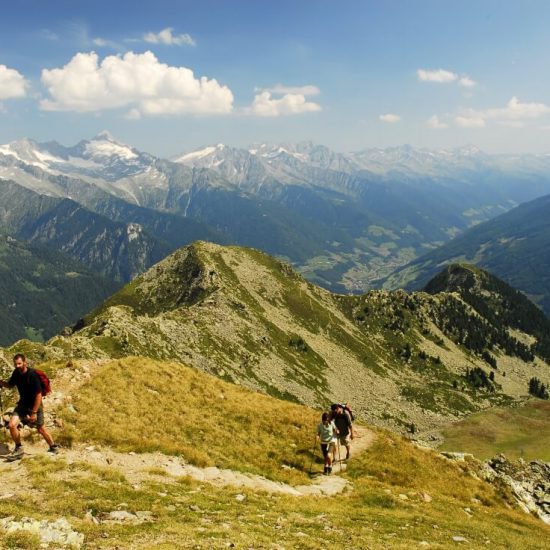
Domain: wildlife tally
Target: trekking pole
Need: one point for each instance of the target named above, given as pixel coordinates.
(2, 420)
(1, 408)
(339, 457)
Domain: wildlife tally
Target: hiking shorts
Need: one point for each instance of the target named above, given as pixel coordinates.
(345, 440)
(327, 448)
(22, 413)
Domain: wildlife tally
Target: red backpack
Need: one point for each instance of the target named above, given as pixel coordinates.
(44, 382)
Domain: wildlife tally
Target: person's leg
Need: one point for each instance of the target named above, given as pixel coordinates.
(14, 429)
(41, 429)
(45, 434)
(333, 452)
(324, 450)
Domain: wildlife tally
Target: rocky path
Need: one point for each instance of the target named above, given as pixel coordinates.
(141, 467)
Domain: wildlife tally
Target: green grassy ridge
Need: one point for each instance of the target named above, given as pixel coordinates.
(518, 432)
(495, 301)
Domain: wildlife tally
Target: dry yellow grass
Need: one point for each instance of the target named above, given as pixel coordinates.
(401, 496)
(144, 405)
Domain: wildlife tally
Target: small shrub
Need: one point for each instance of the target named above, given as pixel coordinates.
(299, 344)
(478, 379)
(538, 389)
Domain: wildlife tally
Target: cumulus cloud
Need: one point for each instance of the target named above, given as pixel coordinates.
(289, 104)
(166, 37)
(470, 121)
(515, 110)
(466, 82)
(282, 89)
(12, 83)
(444, 76)
(439, 75)
(514, 114)
(434, 122)
(390, 118)
(138, 81)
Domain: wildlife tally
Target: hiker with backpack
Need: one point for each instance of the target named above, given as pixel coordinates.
(29, 409)
(342, 418)
(327, 433)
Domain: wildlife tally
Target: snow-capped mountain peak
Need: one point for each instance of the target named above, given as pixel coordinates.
(28, 151)
(105, 145)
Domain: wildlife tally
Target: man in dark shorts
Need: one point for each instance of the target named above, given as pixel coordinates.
(344, 426)
(29, 409)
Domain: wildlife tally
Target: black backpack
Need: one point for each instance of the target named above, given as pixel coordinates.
(346, 407)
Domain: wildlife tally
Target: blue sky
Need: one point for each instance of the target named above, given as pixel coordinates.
(169, 76)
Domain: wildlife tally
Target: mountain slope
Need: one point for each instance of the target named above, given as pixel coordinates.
(42, 291)
(116, 488)
(514, 246)
(249, 318)
(115, 250)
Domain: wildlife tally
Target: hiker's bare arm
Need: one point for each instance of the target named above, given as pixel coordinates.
(37, 401)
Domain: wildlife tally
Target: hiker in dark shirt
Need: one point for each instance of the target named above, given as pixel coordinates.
(343, 423)
(29, 409)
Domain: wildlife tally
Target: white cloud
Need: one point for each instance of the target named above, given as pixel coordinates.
(515, 110)
(439, 75)
(466, 82)
(390, 118)
(514, 115)
(282, 89)
(12, 83)
(138, 81)
(166, 37)
(470, 121)
(434, 122)
(289, 104)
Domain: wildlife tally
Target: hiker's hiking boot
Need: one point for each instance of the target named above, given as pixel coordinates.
(15, 454)
(326, 471)
(54, 449)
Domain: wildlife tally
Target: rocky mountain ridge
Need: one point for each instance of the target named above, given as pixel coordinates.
(401, 359)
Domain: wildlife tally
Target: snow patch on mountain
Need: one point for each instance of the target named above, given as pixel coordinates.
(107, 148)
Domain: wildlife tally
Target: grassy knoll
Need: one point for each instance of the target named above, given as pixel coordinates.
(517, 432)
(145, 405)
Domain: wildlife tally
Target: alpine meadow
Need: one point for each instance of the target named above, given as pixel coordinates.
(274, 276)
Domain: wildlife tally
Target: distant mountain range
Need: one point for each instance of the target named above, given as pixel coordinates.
(514, 246)
(343, 220)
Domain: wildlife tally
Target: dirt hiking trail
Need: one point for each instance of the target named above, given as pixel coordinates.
(140, 467)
